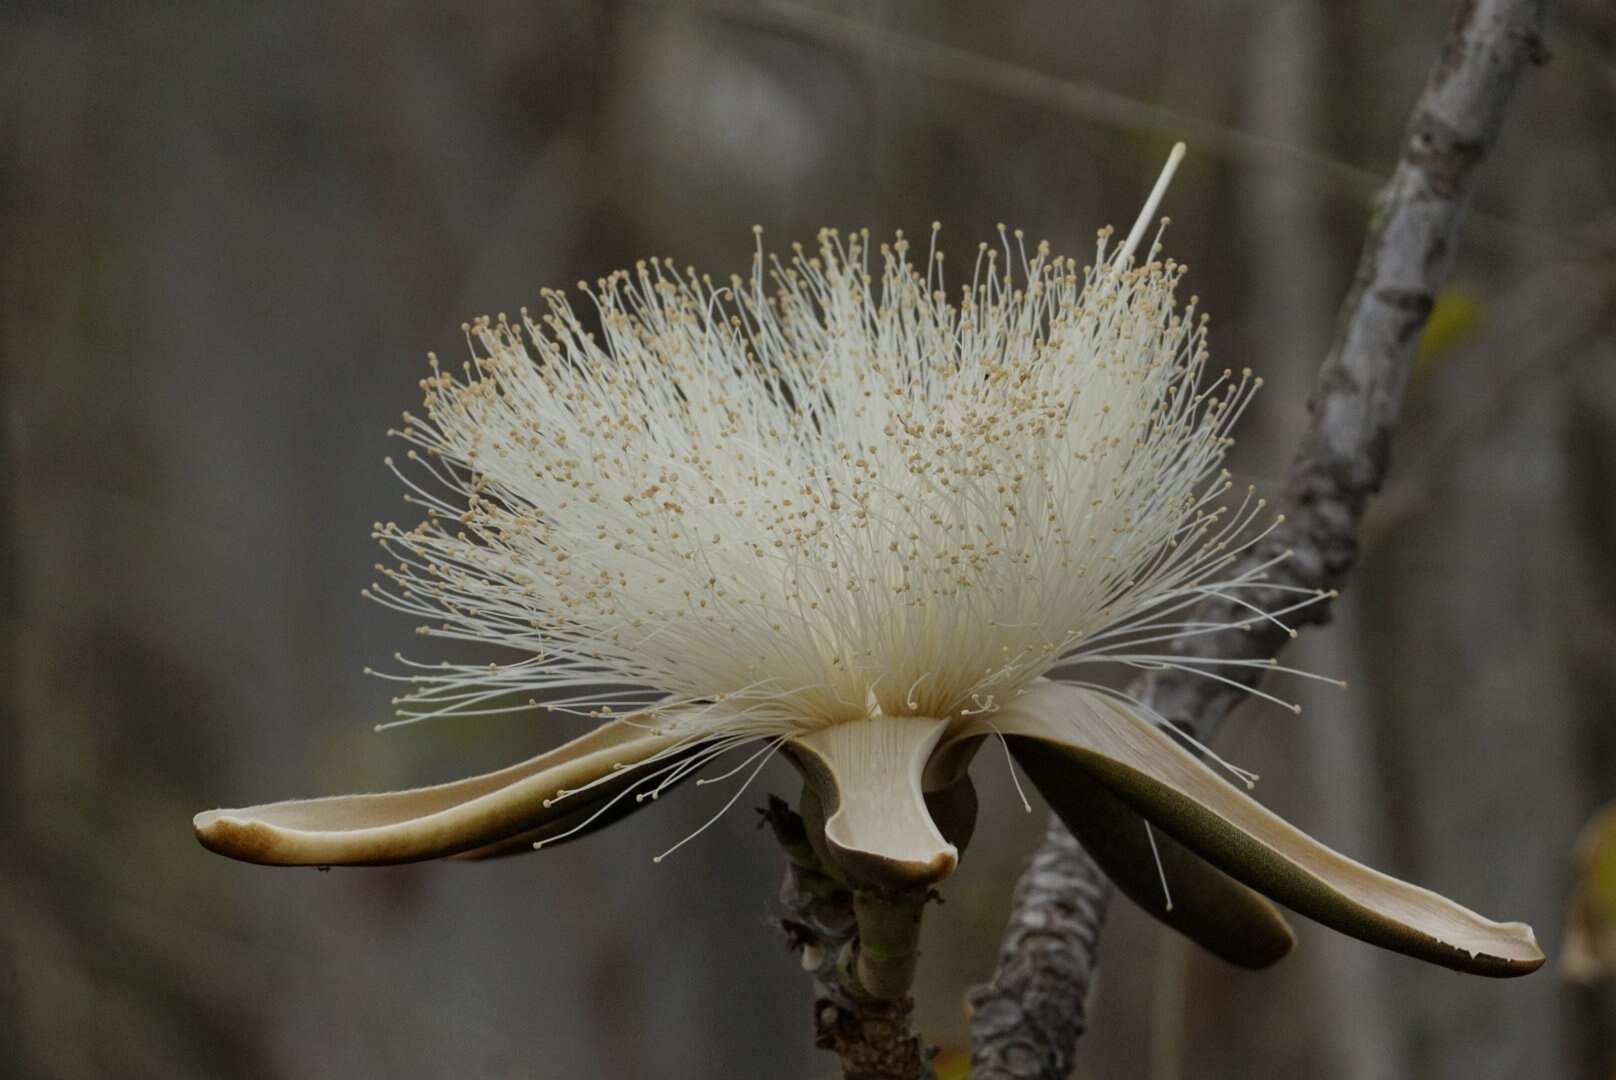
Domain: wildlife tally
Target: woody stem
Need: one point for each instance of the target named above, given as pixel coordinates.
(861, 951)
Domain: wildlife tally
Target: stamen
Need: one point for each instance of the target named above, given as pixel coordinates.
(1161, 871)
(732, 510)
(741, 790)
(1151, 204)
(1010, 766)
(909, 696)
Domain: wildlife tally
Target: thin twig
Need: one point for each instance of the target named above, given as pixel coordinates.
(1341, 463)
(1099, 105)
(1088, 100)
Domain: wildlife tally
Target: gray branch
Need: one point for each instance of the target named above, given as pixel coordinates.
(1026, 1023)
(1043, 978)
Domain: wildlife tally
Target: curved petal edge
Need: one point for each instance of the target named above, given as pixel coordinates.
(1198, 900)
(460, 817)
(867, 775)
(1175, 791)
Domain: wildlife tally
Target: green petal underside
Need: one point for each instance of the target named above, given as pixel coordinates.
(1110, 744)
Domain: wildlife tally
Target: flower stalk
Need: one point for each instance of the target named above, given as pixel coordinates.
(871, 1034)
(888, 949)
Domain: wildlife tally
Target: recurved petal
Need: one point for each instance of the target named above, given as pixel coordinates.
(867, 775)
(1150, 772)
(463, 816)
(591, 811)
(1207, 906)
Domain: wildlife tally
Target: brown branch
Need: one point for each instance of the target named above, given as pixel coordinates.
(1342, 461)
(875, 1041)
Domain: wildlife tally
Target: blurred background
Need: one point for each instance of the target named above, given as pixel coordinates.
(230, 233)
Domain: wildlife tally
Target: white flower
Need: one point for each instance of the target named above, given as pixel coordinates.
(851, 487)
(835, 508)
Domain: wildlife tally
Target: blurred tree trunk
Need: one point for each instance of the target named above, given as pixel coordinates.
(1326, 1010)
(1484, 604)
(1590, 630)
(10, 718)
(1478, 709)
(1342, 996)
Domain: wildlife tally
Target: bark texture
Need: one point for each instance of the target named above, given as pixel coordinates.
(1343, 457)
(874, 1041)
(1028, 1020)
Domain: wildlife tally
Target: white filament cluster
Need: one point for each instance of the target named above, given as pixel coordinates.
(768, 502)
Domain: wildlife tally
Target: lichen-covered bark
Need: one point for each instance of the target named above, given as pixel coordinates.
(1342, 462)
(1343, 458)
(1026, 1022)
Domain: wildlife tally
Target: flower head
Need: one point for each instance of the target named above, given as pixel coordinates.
(765, 510)
(843, 508)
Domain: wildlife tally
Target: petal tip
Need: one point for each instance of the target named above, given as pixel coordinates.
(1521, 954)
(224, 833)
(1504, 950)
(1144, 768)
(1265, 951)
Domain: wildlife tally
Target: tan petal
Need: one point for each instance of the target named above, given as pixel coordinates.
(1184, 798)
(1207, 906)
(867, 774)
(586, 817)
(445, 819)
